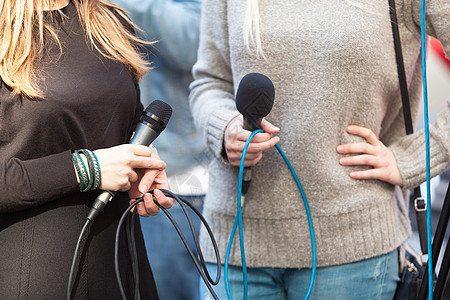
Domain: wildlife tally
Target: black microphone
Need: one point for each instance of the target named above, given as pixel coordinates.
(152, 122)
(254, 100)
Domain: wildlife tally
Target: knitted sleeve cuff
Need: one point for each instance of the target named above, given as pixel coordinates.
(216, 125)
(411, 158)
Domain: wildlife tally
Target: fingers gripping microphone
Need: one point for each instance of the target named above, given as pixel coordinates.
(254, 100)
(152, 122)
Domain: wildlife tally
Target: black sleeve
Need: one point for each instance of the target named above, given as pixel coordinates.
(26, 184)
(139, 108)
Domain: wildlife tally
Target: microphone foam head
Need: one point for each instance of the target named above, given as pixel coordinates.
(158, 114)
(255, 96)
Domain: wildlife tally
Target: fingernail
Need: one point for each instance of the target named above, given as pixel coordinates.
(339, 148)
(275, 128)
(157, 193)
(143, 189)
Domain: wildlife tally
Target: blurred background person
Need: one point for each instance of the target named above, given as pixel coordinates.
(174, 25)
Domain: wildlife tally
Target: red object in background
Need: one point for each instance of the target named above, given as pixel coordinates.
(437, 48)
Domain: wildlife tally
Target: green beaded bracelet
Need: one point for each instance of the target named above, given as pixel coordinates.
(88, 183)
(97, 171)
(82, 172)
(91, 169)
(94, 168)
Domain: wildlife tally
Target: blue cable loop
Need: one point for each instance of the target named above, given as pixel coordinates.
(238, 222)
(427, 148)
(308, 214)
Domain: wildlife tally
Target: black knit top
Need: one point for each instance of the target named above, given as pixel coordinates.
(90, 102)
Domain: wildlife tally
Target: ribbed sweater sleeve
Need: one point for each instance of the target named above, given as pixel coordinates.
(212, 95)
(26, 184)
(410, 150)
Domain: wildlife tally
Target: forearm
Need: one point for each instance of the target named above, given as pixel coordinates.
(26, 184)
(410, 151)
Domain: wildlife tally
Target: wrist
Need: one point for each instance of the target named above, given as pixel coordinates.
(87, 169)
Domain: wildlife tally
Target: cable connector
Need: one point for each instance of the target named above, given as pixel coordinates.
(99, 204)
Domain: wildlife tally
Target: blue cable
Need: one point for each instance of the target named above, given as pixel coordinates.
(308, 214)
(427, 146)
(238, 222)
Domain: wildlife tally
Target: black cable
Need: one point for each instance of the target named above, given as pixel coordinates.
(206, 278)
(137, 295)
(197, 244)
(74, 259)
(133, 252)
(194, 235)
(197, 265)
(443, 274)
(116, 248)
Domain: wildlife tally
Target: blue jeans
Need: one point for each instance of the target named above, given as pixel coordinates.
(374, 278)
(175, 274)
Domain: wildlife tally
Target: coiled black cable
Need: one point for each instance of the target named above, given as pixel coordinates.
(201, 266)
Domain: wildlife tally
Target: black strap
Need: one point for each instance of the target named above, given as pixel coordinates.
(419, 202)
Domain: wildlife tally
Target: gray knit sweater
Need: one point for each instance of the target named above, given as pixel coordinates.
(332, 63)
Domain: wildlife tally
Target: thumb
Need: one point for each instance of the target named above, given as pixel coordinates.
(268, 127)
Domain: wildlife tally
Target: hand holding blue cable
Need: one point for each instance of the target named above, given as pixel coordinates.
(254, 100)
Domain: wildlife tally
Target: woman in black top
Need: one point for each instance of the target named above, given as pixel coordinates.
(69, 72)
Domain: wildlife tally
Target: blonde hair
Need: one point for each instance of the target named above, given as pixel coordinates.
(253, 28)
(23, 27)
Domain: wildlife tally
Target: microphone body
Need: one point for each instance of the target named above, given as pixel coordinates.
(254, 100)
(152, 122)
(143, 135)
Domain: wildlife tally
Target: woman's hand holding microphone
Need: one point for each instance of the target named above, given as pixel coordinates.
(235, 137)
(133, 168)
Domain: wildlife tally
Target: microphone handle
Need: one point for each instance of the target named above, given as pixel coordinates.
(251, 125)
(246, 179)
(144, 134)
